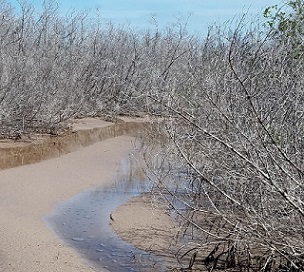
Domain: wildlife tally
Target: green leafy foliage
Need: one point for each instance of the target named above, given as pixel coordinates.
(287, 24)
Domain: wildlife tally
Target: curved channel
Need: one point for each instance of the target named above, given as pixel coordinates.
(83, 222)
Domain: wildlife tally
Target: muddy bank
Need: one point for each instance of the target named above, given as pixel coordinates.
(83, 132)
(30, 192)
(84, 223)
(144, 222)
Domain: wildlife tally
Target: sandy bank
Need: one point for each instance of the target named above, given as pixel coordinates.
(143, 222)
(29, 192)
(80, 133)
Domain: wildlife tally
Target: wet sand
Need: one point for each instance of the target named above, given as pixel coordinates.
(143, 222)
(28, 193)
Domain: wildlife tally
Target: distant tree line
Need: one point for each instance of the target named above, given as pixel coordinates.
(54, 68)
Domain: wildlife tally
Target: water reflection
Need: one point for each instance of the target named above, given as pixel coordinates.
(83, 223)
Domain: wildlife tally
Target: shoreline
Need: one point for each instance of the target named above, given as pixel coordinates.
(143, 222)
(30, 192)
(79, 133)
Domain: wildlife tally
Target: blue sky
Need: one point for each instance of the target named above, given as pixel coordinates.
(137, 13)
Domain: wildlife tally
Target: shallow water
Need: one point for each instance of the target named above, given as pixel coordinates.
(83, 222)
